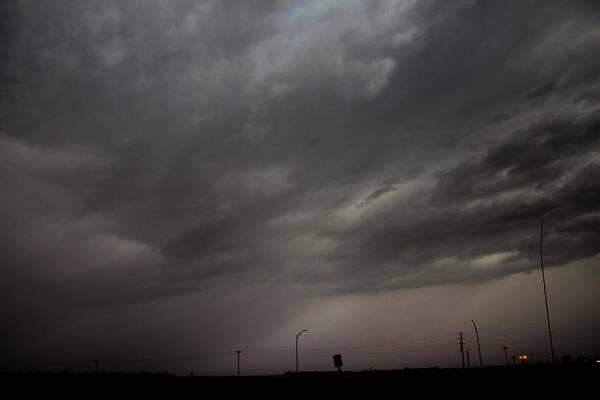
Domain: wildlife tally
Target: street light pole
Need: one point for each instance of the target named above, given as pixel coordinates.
(297, 336)
(478, 345)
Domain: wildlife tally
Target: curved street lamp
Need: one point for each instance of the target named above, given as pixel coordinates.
(297, 336)
(478, 345)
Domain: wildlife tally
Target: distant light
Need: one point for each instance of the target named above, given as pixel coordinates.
(598, 361)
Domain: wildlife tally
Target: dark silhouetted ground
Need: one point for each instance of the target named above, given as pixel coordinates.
(574, 381)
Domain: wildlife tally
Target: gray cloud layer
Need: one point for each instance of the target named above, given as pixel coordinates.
(479, 219)
(151, 149)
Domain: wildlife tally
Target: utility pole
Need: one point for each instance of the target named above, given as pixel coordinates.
(96, 365)
(462, 348)
(545, 292)
(468, 359)
(478, 345)
(297, 336)
(505, 348)
(238, 359)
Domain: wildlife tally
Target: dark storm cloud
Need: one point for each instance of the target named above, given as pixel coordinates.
(535, 156)
(487, 206)
(152, 149)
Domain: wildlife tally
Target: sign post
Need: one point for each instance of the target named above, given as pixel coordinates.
(337, 361)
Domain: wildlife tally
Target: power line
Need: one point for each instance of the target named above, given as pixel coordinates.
(375, 347)
(494, 337)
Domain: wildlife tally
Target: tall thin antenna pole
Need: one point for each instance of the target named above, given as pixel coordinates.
(545, 292)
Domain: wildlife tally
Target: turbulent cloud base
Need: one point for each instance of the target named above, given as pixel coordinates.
(151, 150)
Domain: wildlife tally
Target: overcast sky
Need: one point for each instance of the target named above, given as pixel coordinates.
(183, 177)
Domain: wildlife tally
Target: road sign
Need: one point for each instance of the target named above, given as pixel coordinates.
(337, 361)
